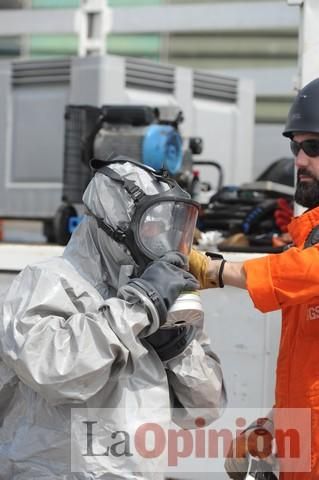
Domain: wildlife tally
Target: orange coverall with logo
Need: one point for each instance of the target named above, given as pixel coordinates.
(290, 281)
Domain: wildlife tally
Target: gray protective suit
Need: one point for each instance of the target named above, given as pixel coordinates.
(71, 335)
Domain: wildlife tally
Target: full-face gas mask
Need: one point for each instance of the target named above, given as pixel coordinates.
(160, 223)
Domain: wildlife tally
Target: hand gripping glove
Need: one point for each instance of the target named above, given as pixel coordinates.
(198, 266)
(171, 341)
(163, 280)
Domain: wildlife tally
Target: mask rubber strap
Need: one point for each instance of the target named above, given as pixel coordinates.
(115, 233)
(133, 190)
(159, 175)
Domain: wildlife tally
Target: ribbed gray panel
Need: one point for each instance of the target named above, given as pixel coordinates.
(206, 85)
(149, 75)
(37, 72)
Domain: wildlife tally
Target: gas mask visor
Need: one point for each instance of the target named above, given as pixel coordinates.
(162, 222)
(166, 225)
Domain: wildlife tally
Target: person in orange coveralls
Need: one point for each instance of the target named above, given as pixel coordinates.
(288, 281)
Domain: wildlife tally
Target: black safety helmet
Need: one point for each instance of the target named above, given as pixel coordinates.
(304, 112)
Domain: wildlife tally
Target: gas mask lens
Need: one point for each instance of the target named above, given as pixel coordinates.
(168, 226)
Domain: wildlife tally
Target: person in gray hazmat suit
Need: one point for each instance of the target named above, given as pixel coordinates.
(87, 331)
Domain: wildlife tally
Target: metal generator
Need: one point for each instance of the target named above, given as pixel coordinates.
(34, 95)
(148, 135)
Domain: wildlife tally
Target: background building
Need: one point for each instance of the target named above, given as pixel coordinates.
(267, 56)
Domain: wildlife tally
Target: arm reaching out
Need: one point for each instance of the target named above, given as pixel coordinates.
(208, 271)
(234, 274)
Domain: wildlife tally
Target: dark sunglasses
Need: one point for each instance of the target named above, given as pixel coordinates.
(310, 147)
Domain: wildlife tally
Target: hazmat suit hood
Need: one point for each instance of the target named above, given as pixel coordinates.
(105, 263)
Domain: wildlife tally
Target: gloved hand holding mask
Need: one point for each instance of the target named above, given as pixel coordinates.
(163, 280)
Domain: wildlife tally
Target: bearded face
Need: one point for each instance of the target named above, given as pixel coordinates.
(307, 189)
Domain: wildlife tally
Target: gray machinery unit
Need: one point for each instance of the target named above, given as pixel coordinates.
(34, 95)
(149, 135)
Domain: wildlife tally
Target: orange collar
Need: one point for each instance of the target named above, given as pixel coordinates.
(300, 227)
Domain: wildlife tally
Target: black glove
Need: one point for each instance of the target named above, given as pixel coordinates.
(170, 342)
(163, 280)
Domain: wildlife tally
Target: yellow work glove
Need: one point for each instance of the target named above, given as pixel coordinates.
(200, 265)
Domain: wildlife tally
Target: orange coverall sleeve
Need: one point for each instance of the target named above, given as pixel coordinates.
(279, 280)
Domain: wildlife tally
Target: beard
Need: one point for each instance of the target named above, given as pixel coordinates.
(307, 193)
